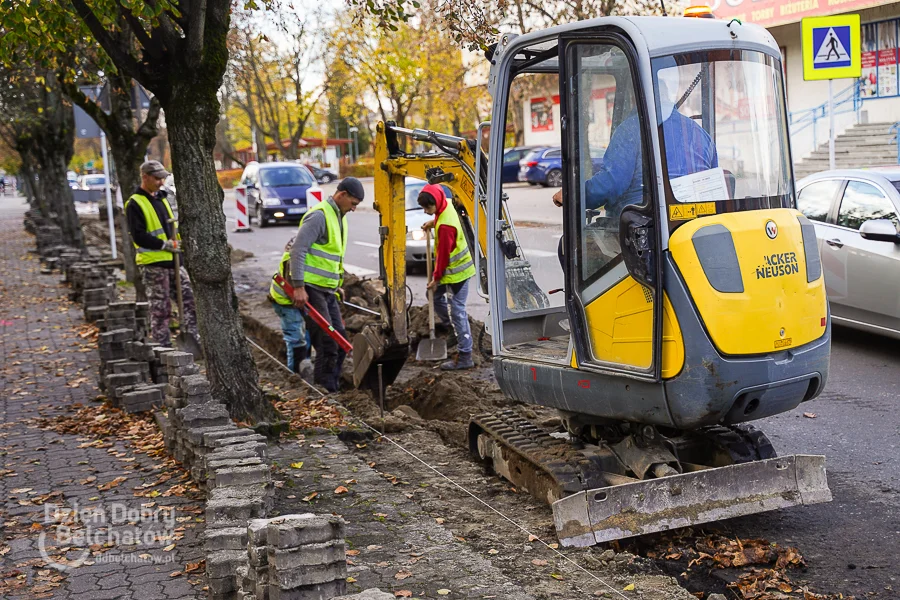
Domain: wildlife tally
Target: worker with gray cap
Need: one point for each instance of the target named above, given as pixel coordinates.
(317, 273)
(149, 217)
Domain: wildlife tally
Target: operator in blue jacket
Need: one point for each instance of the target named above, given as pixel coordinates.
(620, 180)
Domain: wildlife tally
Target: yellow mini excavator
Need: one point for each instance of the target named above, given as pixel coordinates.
(694, 299)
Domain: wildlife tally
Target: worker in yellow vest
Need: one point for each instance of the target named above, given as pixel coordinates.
(453, 268)
(293, 327)
(148, 214)
(317, 272)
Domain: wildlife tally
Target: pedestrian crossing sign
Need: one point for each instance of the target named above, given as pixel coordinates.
(831, 47)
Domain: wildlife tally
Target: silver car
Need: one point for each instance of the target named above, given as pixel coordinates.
(855, 213)
(415, 218)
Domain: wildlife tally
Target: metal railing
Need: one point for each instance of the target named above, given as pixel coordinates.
(847, 100)
(895, 130)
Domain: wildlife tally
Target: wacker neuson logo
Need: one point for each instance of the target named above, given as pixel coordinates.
(778, 265)
(75, 536)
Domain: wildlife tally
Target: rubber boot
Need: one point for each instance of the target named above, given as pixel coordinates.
(463, 361)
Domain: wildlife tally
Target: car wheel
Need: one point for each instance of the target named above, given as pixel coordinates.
(260, 217)
(554, 178)
(326, 179)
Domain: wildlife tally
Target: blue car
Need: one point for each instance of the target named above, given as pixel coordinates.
(276, 191)
(511, 159)
(543, 166)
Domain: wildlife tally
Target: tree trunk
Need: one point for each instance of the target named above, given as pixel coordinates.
(191, 117)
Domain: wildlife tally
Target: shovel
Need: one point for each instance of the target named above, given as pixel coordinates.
(185, 341)
(430, 349)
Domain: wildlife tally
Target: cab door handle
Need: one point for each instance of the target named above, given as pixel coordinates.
(835, 243)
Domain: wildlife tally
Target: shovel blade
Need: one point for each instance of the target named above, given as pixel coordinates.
(432, 349)
(186, 343)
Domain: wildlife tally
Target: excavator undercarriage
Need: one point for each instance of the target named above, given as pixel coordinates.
(638, 479)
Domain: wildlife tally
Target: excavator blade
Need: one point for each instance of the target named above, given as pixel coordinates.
(611, 513)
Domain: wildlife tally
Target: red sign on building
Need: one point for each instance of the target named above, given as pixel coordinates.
(770, 13)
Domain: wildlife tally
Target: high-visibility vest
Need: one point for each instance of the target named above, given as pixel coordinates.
(144, 256)
(276, 291)
(325, 262)
(461, 266)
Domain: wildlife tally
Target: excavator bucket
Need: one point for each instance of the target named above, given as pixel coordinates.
(372, 350)
(611, 513)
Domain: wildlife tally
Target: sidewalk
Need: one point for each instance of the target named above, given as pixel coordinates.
(72, 467)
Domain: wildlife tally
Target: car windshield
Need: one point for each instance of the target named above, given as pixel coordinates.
(533, 155)
(94, 180)
(284, 176)
(896, 184)
(412, 194)
(723, 132)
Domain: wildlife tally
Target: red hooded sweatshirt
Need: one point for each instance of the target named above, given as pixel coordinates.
(446, 234)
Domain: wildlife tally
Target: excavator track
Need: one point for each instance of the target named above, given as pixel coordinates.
(526, 455)
(596, 498)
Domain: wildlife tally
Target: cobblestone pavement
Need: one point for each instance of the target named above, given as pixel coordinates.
(153, 522)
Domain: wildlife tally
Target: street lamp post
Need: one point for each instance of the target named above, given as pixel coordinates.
(354, 131)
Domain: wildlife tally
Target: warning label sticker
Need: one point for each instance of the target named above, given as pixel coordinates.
(685, 212)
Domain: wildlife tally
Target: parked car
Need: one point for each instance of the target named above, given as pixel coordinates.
(72, 178)
(322, 175)
(855, 214)
(276, 191)
(415, 218)
(511, 158)
(93, 182)
(544, 166)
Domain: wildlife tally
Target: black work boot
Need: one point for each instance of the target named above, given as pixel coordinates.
(463, 361)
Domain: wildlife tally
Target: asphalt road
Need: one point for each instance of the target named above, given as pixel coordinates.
(850, 544)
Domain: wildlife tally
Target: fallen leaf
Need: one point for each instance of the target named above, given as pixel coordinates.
(556, 576)
(439, 521)
(340, 490)
(539, 562)
(176, 574)
(532, 538)
(169, 548)
(191, 567)
(403, 594)
(402, 575)
(493, 551)
(554, 546)
(352, 552)
(310, 497)
(628, 588)
(810, 415)
(351, 580)
(297, 465)
(443, 592)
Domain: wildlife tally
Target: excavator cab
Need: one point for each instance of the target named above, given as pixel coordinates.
(693, 292)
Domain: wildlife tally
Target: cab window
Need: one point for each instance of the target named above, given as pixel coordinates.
(610, 157)
(814, 201)
(723, 133)
(863, 202)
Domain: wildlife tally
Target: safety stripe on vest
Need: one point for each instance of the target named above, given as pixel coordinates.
(458, 254)
(323, 273)
(156, 232)
(323, 254)
(460, 268)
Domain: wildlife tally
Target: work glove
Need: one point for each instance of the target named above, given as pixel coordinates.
(169, 246)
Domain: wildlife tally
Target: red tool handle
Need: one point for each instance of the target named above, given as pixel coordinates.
(317, 317)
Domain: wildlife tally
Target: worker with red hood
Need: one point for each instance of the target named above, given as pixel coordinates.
(453, 268)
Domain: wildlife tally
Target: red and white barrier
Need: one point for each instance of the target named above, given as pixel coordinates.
(314, 195)
(241, 214)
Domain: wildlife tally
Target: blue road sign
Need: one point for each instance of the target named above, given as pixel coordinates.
(831, 46)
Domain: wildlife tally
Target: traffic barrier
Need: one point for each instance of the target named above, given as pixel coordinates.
(242, 217)
(314, 195)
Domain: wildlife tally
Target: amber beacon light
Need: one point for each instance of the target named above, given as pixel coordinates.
(699, 12)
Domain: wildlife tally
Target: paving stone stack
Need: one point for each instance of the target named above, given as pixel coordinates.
(124, 377)
(306, 557)
(292, 557)
(120, 315)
